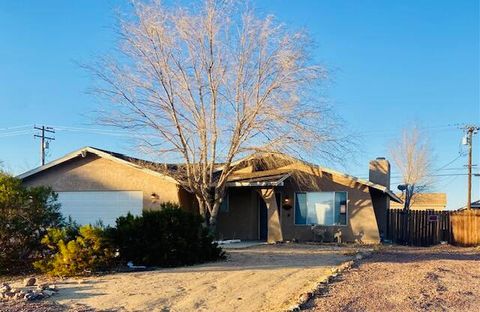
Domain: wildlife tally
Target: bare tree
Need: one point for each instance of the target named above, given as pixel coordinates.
(412, 155)
(211, 84)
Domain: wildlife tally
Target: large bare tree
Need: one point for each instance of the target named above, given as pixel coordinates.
(209, 84)
(412, 155)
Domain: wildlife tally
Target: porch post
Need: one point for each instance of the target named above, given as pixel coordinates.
(274, 225)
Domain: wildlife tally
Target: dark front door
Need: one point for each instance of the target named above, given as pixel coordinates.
(263, 215)
(263, 218)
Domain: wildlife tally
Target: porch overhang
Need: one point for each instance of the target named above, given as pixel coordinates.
(266, 178)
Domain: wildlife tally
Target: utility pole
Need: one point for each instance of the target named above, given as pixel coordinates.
(470, 131)
(44, 140)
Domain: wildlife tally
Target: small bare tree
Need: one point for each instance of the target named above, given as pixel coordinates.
(211, 84)
(412, 155)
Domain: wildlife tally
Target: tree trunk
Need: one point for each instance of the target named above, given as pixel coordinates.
(212, 224)
(202, 210)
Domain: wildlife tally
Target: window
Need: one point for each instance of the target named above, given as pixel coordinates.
(225, 205)
(323, 208)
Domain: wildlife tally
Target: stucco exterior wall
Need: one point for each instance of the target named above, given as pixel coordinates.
(361, 219)
(362, 225)
(94, 173)
(241, 220)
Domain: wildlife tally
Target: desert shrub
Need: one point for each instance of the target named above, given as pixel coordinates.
(25, 216)
(76, 251)
(168, 237)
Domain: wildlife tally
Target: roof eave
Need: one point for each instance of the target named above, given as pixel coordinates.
(88, 149)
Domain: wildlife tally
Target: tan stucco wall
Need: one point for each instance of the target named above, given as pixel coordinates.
(94, 173)
(361, 224)
(241, 221)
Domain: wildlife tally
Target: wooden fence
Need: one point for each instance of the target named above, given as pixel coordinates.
(466, 227)
(429, 227)
(418, 227)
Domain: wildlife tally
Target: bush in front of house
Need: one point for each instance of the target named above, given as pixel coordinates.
(168, 237)
(75, 251)
(25, 216)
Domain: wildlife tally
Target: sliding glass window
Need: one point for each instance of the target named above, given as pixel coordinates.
(322, 208)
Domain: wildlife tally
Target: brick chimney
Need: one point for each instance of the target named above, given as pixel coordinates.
(379, 172)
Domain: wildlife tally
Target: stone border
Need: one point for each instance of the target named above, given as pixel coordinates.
(29, 292)
(323, 285)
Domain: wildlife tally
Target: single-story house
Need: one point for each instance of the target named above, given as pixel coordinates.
(473, 205)
(269, 197)
(424, 201)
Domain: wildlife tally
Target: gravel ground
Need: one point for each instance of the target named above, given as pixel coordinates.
(41, 306)
(442, 278)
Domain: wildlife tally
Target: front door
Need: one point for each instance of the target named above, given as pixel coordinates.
(263, 215)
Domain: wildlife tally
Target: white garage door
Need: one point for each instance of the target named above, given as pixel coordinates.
(89, 207)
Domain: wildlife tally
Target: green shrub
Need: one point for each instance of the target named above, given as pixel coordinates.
(73, 252)
(25, 216)
(168, 237)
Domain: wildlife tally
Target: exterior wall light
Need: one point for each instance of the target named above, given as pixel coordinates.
(287, 203)
(154, 197)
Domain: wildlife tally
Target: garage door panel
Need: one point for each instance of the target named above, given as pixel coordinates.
(107, 206)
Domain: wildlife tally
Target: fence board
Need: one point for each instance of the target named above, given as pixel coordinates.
(465, 227)
(415, 227)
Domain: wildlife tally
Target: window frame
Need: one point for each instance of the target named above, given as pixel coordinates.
(329, 225)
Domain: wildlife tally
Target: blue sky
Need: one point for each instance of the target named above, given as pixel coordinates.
(391, 63)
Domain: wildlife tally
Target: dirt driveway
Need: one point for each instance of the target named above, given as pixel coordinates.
(442, 278)
(259, 278)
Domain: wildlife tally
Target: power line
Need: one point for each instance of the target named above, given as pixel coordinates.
(445, 127)
(15, 127)
(15, 133)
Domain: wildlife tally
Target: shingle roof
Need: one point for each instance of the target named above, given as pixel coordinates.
(146, 166)
(259, 178)
(376, 186)
(162, 170)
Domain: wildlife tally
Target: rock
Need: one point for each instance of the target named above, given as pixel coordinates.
(48, 293)
(52, 287)
(19, 295)
(42, 286)
(359, 257)
(5, 288)
(30, 281)
(29, 296)
(34, 296)
(304, 297)
(9, 294)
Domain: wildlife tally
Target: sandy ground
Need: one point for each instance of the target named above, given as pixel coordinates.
(442, 278)
(260, 278)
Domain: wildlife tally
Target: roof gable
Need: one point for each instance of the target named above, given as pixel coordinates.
(293, 160)
(116, 157)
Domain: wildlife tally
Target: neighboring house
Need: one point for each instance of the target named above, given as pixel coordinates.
(264, 202)
(474, 205)
(424, 201)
